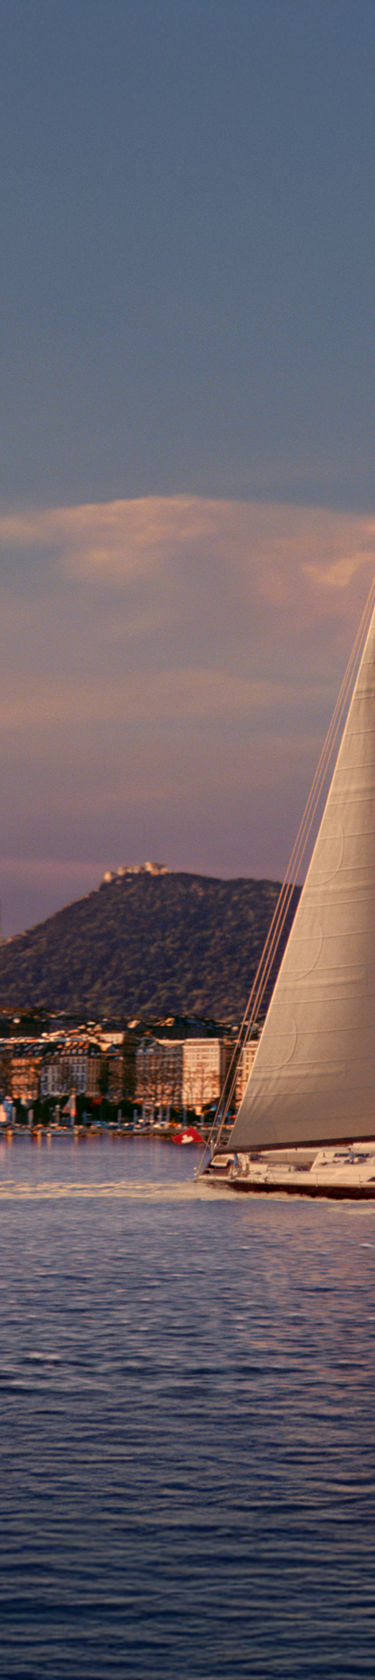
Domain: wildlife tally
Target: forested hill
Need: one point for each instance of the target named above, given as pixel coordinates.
(144, 944)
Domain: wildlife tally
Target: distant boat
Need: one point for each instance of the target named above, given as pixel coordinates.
(306, 1123)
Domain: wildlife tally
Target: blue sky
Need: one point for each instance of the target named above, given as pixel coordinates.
(188, 304)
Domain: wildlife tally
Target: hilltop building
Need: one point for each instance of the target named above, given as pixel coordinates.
(135, 869)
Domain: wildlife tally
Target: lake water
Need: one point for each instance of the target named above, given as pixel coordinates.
(187, 1423)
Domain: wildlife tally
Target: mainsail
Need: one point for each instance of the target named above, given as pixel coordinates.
(313, 1078)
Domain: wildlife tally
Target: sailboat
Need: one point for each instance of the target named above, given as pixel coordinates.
(306, 1123)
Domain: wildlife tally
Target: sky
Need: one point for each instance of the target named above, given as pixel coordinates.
(187, 498)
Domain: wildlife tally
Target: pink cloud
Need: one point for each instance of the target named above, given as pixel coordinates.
(270, 540)
(168, 671)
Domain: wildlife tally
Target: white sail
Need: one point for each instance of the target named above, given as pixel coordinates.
(313, 1078)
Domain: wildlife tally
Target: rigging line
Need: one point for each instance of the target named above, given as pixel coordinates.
(323, 763)
(283, 903)
(309, 813)
(282, 908)
(314, 797)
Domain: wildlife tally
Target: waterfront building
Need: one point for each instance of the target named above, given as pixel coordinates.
(205, 1063)
(159, 1073)
(25, 1077)
(181, 1073)
(245, 1062)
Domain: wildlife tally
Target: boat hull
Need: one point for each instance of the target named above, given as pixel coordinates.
(334, 1192)
(342, 1174)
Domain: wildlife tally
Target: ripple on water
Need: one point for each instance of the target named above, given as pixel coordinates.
(187, 1453)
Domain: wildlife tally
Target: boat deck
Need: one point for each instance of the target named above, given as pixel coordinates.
(346, 1172)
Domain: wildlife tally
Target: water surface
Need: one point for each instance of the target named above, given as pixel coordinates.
(187, 1422)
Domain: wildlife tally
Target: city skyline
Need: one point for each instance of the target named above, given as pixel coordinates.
(187, 508)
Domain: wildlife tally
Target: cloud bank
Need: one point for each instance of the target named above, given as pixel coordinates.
(167, 674)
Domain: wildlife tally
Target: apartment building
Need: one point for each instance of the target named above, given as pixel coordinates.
(159, 1072)
(181, 1073)
(71, 1068)
(25, 1077)
(205, 1064)
(244, 1067)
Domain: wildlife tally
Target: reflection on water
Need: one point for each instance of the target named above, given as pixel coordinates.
(187, 1423)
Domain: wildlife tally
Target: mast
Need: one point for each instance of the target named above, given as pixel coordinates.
(313, 1078)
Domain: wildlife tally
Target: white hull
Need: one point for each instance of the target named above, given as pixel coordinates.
(343, 1172)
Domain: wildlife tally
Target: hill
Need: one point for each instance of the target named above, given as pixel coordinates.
(155, 944)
